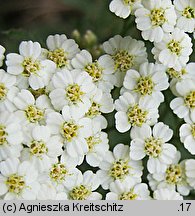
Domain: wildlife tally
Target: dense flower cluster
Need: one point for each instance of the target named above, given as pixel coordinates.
(53, 102)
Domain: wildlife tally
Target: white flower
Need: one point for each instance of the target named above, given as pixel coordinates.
(174, 50)
(155, 18)
(187, 137)
(152, 143)
(18, 180)
(42, 149)
(183, 106)
(125, 191)
(8, 91)
(123, 8)
(98, 145)
(62, 172)
(127, 53)
(30, 65)
(11, 136)
(2, 51)
(73, 88)
(134, 112)
(31, 110)
(73, 129)
(190, 172)
(100, 70)
(187, 72)
(100, 103)
(174, 178)
(149, 81)
(185, 10)
(119, 166)
(84, 186)
(48, 191)
(166, 194)
(61, 50)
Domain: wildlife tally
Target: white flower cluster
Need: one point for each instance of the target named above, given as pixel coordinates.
(53, 103)
(166, 23)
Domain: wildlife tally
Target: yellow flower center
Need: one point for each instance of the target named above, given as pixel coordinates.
(190, 100)
(79, 193)
(129, 2)
(174, 174)
(145, 86)
(92, 141)
(189, 13)
(157, 17)
(15, 183)
(74, 93)
(175, 47)
(69, 130)
(3, 91)
(94, 110)
(128, 195)
(3, 135)
(193, 130)
(38, 148)
(34, 114)
(136, 116)
(176, 74)
(153, 147)
(123, 60)
(30, 67)
(58, 172)
(94, 70)
(59, 56)
(119, 169)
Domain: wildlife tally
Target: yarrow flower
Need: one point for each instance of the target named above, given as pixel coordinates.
(8, 90)
(127, 53)
(42, 148)
(149, 81)
(84, 186)
(123, 8)
(132, 112)
(166, 194)
(152, 143)
(187, 72)
(101, 70)
(73, 88)
(174, 49)
(174, 177)
(61, 50)
(30, 110)
(155, 19)
(73, 128)
(18, 180)
(185, 10)
(190, 172)
(119, 166)
(126, 191)
(187, 136)
(183, 106)
(11, 136)
(30, 65)
(98, 145)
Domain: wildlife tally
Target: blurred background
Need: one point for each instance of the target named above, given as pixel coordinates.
(36, 19)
